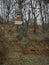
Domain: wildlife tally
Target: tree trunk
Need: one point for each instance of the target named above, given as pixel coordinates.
(33, 13)
(41, 15)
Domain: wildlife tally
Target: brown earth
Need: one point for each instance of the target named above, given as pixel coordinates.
(33, 44)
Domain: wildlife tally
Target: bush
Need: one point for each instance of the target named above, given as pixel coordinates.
(23, 31)
(19, 37)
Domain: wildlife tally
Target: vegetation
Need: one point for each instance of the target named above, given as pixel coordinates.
(28, 43)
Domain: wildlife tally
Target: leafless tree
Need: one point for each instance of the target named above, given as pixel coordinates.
(8, 8)
(34, 13)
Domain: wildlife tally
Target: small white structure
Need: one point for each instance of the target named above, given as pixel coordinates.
(18, 22)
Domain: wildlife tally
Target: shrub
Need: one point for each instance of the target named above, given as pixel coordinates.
(19, 37)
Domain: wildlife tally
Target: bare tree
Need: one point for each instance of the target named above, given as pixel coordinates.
(40, 5)
(8, 7)
(34, 15)
(43, 12)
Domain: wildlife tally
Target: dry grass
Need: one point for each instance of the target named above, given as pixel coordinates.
(33, 44)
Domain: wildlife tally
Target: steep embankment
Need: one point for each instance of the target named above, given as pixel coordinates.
(15, 50)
